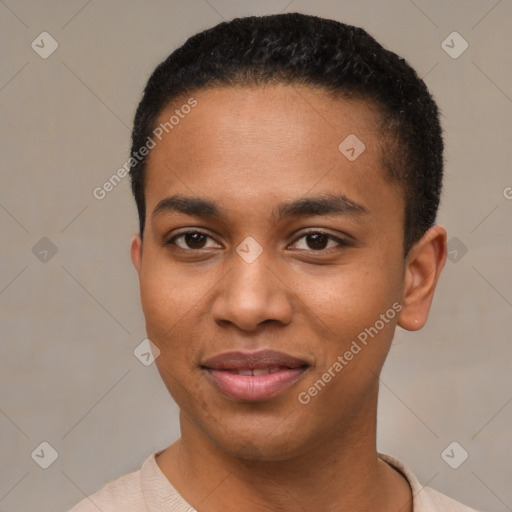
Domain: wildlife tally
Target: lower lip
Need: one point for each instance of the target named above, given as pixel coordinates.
(255, 387)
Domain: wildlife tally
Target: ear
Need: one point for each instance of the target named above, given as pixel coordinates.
(136, 252)
(423, 266)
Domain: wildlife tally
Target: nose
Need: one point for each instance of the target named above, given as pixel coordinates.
(251, 294)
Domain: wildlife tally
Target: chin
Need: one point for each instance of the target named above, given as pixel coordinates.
(256, 437)
(257, 448)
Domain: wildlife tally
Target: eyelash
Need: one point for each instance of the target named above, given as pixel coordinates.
(342, 243)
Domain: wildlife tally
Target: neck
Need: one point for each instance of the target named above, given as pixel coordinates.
(339, 473)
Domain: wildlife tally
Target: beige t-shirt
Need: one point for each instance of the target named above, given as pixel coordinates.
(148, 490)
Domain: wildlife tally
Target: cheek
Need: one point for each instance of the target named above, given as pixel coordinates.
(168, 295)
(350, 298)
(173, 301)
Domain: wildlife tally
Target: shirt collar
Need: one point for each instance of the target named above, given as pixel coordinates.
(161, 496)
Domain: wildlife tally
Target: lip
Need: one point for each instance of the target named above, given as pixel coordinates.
(254, 384)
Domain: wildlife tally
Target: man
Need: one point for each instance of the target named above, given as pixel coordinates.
(287, 172)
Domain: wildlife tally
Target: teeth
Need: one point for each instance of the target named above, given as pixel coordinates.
(259, 371)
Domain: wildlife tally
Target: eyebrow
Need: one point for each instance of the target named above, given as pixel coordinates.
(308, 206)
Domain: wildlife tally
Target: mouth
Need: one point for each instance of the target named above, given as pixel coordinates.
(254, 376)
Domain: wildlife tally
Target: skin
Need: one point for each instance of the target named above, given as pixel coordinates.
(250, 149)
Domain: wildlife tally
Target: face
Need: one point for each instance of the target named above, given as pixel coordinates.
(267, 256)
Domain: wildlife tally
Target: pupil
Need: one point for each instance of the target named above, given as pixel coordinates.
(194, 240)
(319, 241)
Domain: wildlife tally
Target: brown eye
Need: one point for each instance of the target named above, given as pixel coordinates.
(317, 241)
(195, 240)
(192, 240)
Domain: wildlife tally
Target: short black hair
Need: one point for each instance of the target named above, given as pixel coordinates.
(300, 49)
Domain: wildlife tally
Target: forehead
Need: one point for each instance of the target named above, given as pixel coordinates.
(275, 115)
(279, 141)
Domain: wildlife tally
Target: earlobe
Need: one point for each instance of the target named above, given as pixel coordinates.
(424, 264)
(136, 252)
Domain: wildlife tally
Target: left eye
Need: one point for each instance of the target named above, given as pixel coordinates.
(318, 241)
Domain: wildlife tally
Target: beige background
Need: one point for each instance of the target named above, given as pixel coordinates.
(70, 324)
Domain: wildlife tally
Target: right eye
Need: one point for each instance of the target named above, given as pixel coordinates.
(191, 240)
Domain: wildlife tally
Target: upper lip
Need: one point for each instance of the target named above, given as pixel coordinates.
(253, 360)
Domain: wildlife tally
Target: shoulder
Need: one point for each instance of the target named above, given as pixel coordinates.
(425, 499)
(140, 491)
(121, 495)
(442, 502)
